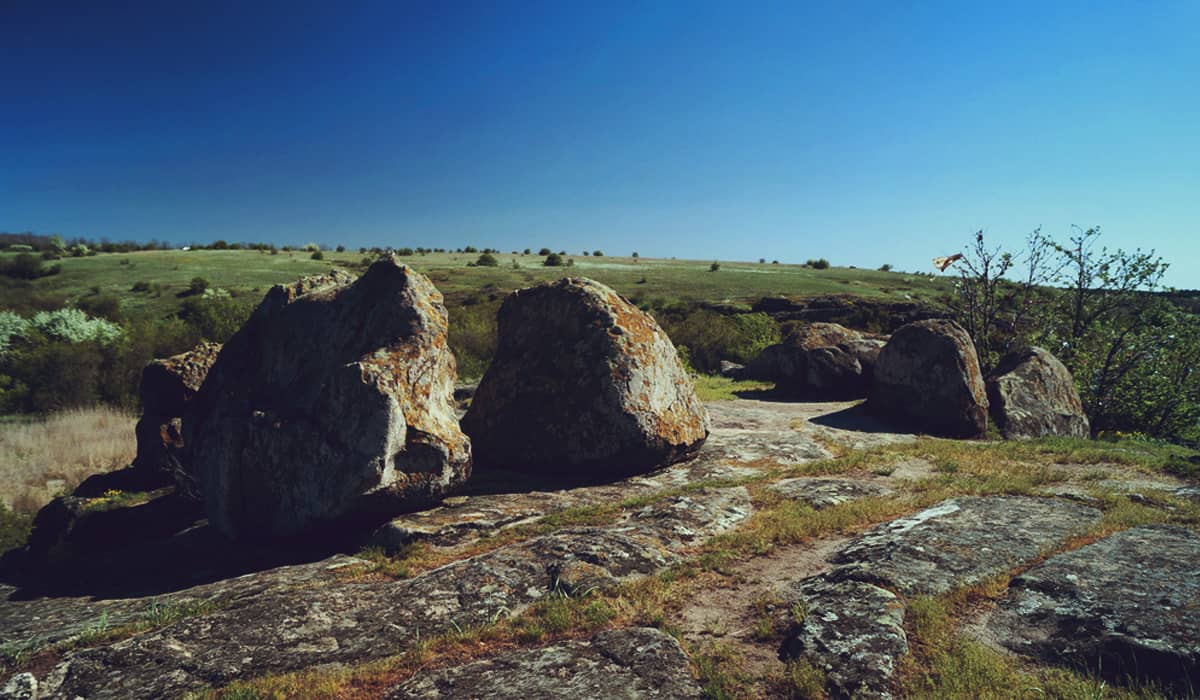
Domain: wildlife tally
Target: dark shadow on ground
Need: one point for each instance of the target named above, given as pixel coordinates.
(858, 418)
(166, 562)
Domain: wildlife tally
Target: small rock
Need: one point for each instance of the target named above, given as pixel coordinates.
(824, 493)
(928, 377)
(853, 631)
(630, 664)
(583, 384)
(1032, 394)
(22, 686)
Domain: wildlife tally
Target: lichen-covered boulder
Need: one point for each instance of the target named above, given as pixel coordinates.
(1032, 394)
(167, 388)
(583, 384)
(928, 377)
(819, 360)
(785, 362)
(335, 399)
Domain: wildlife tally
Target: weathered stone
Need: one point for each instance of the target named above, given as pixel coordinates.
(960, 542)
(732, 370)
(22, 686)
(825, 493)
(583, 383)
(1128, 605)
(852, 631)
(928, 377)
(786, 362)
(1032, 394)
(167, 388)
(625, 664)
(71, 525)
(168, 384)
(334, 400)
(320, 620)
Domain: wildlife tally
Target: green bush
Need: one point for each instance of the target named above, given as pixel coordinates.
(714, 267)
(487, 260)
(317, 255)
(710, 336)
(216, 318)
(197, 286)
(544, 251)
(14, 528)
(553, 260)
(27, 266)
(473, 337)
(818, 264)
(140, 286)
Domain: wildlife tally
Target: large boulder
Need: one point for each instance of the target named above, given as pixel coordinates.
(928, 377)
(334, 400)
(1032, 394)
(818, 360)
(167, 388)
(585, 384)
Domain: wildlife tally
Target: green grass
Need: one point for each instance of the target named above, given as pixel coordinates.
(713, 388)
(644, 279)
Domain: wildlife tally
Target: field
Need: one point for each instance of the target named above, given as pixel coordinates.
(252, 273)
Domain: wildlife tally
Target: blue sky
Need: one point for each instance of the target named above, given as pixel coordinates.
(861, 132)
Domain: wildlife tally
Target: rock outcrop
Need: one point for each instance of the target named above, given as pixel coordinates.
(859, 312)
(1032, 394)
(584, 384)
(852, 621)
(928, 378)
(167, 388)
(1126, 606)
(631, 664)
(334, 400)
(818, 360)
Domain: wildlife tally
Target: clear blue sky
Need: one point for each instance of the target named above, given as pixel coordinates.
(861, 132)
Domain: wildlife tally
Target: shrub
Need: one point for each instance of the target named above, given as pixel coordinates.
(553, 260)
(105, 306)
(635, 254)
(73, 326)
(711, 336)
(140, 286)
(317, 255)
(596, 253)
(27, 266)
(544, 251)
(405, 252)
(886, 267)
(215, 318)
(12, 329)
(714, 267)
(197, 286)
(487, 260)
(818, 264)
(472, 337)
(341, 249)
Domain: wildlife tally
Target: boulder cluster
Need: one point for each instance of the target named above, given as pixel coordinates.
(335, 401)
(927, 377)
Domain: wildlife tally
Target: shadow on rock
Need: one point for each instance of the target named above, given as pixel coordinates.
(149, 549)
(858, 418)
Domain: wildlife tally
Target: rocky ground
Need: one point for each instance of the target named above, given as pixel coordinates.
(806, 551)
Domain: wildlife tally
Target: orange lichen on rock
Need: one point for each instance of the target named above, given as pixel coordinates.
(583, 382)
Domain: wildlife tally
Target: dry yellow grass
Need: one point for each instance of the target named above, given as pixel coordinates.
(46, 457)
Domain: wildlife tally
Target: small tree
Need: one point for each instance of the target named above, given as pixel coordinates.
(635, 255)
(553, 260)
(197, 286)
(595, 253)
(544, 251)
(714, 267)
(487, 260)
(317, 255)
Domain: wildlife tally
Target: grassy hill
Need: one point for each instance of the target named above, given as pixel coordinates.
(252, 272)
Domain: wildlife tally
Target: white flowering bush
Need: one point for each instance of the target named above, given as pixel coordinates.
(12, 327)
(74, 326)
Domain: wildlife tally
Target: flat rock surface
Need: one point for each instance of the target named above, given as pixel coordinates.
(288, 628)
(1128, 604)
(823, 493)
(960, 542)
(853, 631)
(624, 664)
